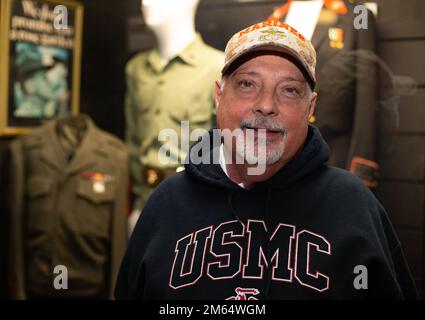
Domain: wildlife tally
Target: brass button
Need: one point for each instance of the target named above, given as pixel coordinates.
(152, 177)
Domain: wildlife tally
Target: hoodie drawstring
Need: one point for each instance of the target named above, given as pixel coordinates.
(268, 244)
(232, 210)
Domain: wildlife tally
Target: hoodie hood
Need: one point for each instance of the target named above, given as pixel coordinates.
(314, 154)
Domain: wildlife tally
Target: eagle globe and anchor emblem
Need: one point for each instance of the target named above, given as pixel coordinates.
(245, 294)
(271, 35)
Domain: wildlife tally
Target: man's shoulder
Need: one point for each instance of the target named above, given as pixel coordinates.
(342, 182)
(341, 188)
(341, 177)
(174, 191)
(178, 188)
(173, 185)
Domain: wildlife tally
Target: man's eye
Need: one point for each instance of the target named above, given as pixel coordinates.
(291, 92)
(245, 84)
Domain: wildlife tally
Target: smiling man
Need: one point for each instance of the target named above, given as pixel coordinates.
(298, 230)
(267, 92)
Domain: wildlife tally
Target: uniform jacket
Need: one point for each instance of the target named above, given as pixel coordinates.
(347, 88)
(67, 212)
(348, 93)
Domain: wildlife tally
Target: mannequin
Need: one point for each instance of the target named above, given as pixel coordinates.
(172, 22)
(171, 83)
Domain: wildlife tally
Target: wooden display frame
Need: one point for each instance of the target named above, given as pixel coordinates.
(40, 63)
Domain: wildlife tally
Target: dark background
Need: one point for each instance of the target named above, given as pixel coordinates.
(114, 31)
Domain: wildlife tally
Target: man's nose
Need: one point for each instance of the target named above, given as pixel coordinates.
(266, 104)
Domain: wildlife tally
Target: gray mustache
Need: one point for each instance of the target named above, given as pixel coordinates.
(264, 123)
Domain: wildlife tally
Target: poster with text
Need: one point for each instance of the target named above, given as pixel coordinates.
(41, 43)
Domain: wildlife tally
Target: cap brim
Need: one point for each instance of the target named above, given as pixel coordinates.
(271, 47)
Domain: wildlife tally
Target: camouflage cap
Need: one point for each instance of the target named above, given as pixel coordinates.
(274, 36)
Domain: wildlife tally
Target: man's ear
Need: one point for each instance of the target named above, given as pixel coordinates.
(312, 105)
(217, 93)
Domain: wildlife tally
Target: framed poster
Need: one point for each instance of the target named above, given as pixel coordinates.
(40, 53)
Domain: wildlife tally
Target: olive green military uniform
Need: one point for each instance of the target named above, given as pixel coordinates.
(160, 97)
(69, 197)
(347, 87)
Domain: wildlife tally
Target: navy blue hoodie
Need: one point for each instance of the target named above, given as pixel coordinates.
(309, 232)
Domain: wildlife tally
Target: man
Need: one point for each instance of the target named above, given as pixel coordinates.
(297, 230)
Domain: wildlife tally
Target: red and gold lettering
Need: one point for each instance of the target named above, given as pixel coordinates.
(272, 23)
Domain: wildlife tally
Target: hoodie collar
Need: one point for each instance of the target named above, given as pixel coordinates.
(313, 155)
(223, 166)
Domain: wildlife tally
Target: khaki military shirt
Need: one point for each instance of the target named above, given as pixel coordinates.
(68, 209)
(160, 97)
